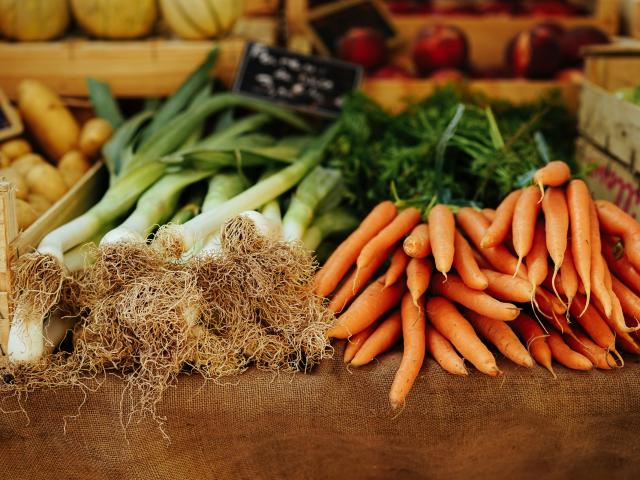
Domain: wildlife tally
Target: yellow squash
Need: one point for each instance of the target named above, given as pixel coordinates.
(200, 19)
(33, 20)
(115, 19)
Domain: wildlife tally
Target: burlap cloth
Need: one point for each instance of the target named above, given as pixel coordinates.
(334, 424)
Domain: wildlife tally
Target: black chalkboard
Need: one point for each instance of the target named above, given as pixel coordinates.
(312, 84)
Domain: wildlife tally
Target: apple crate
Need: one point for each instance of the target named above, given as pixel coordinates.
(488, 35)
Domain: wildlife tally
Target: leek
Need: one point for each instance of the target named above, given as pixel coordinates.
(271, 209)
(329, 223)
(191, 207)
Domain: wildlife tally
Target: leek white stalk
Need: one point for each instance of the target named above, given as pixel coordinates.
(26, 338)
(155, 206)
(329, 223)
(56, 328)
(316, 186)
(271, 209)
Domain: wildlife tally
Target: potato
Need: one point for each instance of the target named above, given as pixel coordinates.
(26, 162)
(73, 166)
(15, 148)
(46, 180)
(25, 214)
(39, 203)
(11, 175)
(94, 135)
(4, 161)
(50, 121)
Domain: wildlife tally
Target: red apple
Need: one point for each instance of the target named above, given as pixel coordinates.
(440, 46)
(555, 27)
(576, 39)
(364, 46)
(391, 71)
(535, 53)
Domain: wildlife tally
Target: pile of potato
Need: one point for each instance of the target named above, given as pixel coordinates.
(68, 150)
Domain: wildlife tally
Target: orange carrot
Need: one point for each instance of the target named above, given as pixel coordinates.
(549, 305)
(354, 344)
(549, 284)
(413, 332)
(354, 283)
(489, 214)
(343, 258)
(388, 236)
(597, 355)
(372, 304)
(598, 286)
(523, 225)
(537, 263)
(418, 277)
(617, 222)
(454, 289)
(444, 353)
(578, 200)
(564, 355)
(629, 301)
(382, 339)
(417, 244)
(480, 260)
(616, 320)
(500, 335)
(553, 174)
(507, 287)
(501, 225)
(396, 269)
(475, 225)
(556, 220)
(466, 265)
(569, 277)
(593, 323)
(447, 320)
(442, 228)
(554, 302)
(534, 338)
(621, 266)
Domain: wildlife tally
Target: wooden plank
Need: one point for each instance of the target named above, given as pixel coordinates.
(394, 94)
(153, 67)
(610, 179)
(8, 230)
(260, 7)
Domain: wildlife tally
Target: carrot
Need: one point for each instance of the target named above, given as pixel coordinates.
(466, 265)
(564, 355)
(389, 235)
(556, 220)
(501, 225)
(555, 304)
(489, 214)
(628, 344)
(617, 222)
(616, 320)
(454, 327)
(343, 258)
(475, 225)
(621, 267)
(549, 284)
(553, 174)
(354, 344)
(523, 224)
(569, 277)
(480, 260)
(617, 324)
(598, 286)
(547, 304)
(629, 301)
(597, 355)
(354, 283)
(506, 287)
(534, 338)
(444, 353)
(442, 228)
(454, 289)
(593, 323)
(418, 277)
(536, 260)
(417, 244)
(578, 200)
(372, 304)
(396, 269)
(500, 335)
(382, 339)
(413, 332)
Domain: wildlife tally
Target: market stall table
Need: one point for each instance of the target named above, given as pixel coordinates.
(334, 423)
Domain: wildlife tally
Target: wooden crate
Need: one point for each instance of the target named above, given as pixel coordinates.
(488, 35)
(86, 192)
(152, 67)
(261, 7)
(614, 66)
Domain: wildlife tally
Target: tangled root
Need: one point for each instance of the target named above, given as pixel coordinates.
(167, 243)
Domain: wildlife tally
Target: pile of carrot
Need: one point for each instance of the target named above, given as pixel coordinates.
(549, 275)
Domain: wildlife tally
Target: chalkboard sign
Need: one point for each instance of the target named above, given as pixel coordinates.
(312, 84)
(327, 24)
(10, 124)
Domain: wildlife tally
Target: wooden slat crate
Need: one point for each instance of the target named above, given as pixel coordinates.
(488, 35)
(261, 7)
(151, 67)
(86, 192)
